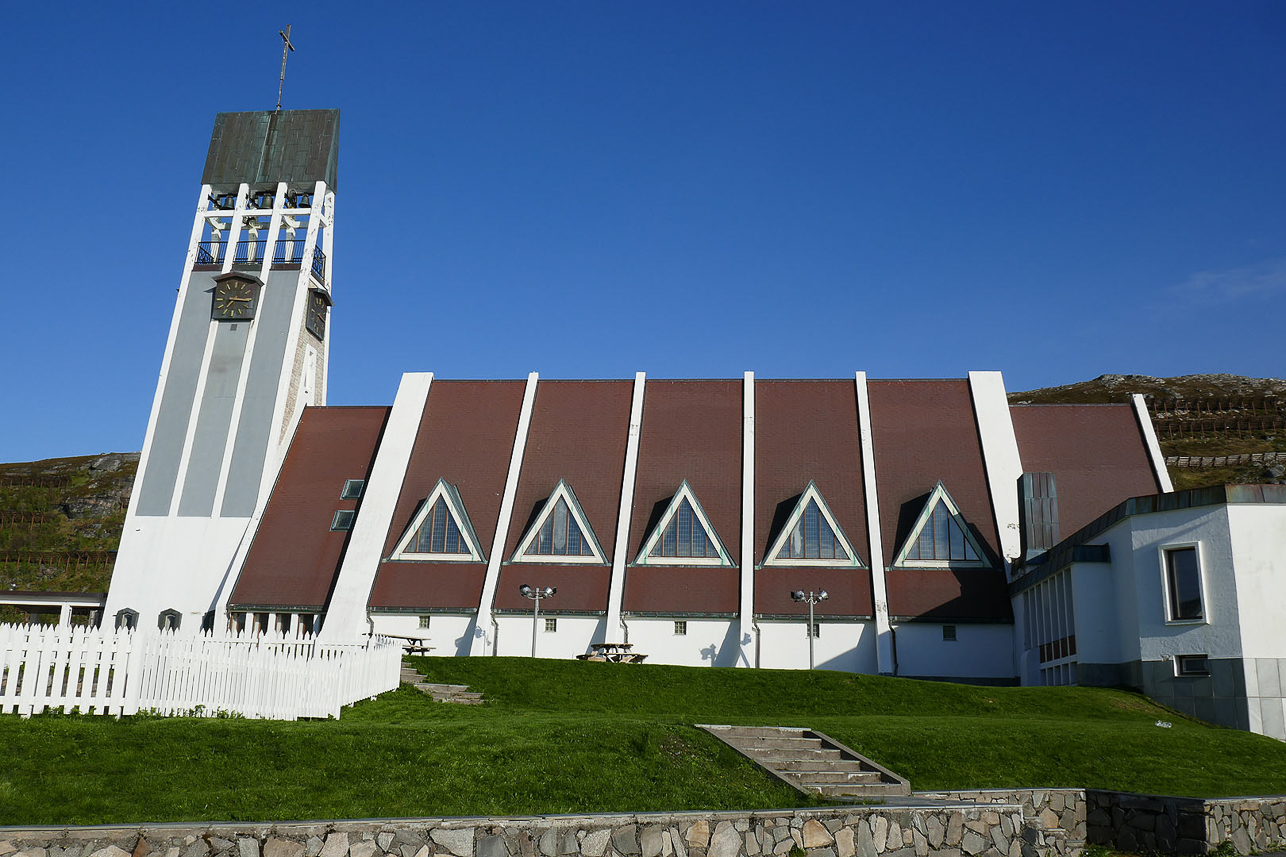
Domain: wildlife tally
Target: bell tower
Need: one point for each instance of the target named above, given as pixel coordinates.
(247, 351)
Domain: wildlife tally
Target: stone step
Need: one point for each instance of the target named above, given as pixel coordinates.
(759, 731)
(812, 763)
(442, 688)
(834, 766)
(812, 778)
(761, 743)
(767, 754)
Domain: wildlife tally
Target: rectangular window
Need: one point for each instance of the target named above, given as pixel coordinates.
(551, 624)
(1192, 665)
(343, 520)
(424, 622)
(352, 489)
(949, 633)
(681, 628)
(817, 629)
(1183, 584)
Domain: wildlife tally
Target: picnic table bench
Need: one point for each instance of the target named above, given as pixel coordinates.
(613, 653)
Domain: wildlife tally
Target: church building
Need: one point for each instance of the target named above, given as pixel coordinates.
(921, 528)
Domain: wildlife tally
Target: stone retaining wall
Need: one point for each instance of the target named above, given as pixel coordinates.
(942, 830)
(1134, 822)
(1054, 819)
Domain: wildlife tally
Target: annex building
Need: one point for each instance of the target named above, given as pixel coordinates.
(955, 535)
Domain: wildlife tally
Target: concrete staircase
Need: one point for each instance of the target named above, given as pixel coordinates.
(457, 693)
(812, 762)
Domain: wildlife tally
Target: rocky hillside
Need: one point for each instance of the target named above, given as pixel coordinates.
(61, 519)
(1201, 420)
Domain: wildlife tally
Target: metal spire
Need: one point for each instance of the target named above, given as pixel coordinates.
(285, 50)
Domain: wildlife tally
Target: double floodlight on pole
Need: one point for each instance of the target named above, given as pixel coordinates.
(535, 594)
(812, 598)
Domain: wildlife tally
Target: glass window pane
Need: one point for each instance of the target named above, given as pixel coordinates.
(684, 516)
(941, 541)
(560, 528)
(810, 532)
(1184, 581)
(439, 516)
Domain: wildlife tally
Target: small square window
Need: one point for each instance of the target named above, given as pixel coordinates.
(343, 520)
(681, 627)
(1192, 665)
(353, 489)
(949, 633)
(551, 624)
(817, 630)
(1183, 584)
(424, 622)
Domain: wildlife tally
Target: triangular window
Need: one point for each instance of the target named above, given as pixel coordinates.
(941, 537)
(560, 532)
(812, 536)
(440, 530)
(684, 535)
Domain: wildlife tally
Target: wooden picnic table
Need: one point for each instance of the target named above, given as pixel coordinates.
(614, 653)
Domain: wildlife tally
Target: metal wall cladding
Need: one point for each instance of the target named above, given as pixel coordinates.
(296, 146)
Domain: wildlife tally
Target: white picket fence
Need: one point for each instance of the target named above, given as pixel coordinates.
(270, 676)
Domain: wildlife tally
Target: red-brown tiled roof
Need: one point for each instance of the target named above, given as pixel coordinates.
(924, 432)
(808, 430)
(691, 430)
(466, 436)
(1096, 453)
(578, 434)
(295, 556)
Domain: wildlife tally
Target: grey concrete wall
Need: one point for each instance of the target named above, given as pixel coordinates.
(214, 419)
(157, 485)
(1218, 698)
(255, 429)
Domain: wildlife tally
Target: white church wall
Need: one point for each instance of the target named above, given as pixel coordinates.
(1217, 633)
(1258, 537)
(705, 642)
(159, 568)
(1099, 634)
(979, 651)
(571, 635)
(841, 644)
(448, 634)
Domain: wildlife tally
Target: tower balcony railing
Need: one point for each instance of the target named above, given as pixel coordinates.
(288, 251)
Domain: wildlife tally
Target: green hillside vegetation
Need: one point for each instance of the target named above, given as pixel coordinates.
(1223, 394)
(568, 736)
(59, 519)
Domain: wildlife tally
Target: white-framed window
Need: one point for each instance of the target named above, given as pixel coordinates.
(1184, 595)
(440, 530)
(680, 627)
(1191, 665)
(560, 532)
(949, 633)
(424, 622)
(683, 535)
(941, 537)
(551, 624)
(811, 536)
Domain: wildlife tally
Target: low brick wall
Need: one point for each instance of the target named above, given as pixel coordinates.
(942, 830)
(1134, 822)
(1053, 819)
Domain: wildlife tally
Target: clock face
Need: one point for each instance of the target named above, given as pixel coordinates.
(316, 321)
(235, 299)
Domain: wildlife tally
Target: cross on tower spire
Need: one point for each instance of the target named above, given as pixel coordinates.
(285, 50)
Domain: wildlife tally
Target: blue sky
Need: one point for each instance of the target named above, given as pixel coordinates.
(587, 189)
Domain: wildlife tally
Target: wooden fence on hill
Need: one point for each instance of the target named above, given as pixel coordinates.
(1225, 460)
(65, 561)
(173, 673)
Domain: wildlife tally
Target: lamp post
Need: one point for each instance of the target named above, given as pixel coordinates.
(812, 598)
(535, 594)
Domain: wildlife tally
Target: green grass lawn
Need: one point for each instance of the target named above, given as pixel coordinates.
(560, 736)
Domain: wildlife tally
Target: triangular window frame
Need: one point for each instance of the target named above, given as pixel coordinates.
(811, 495)
(685, 492)
(563, 491)
(939, 494)
(447, 492)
